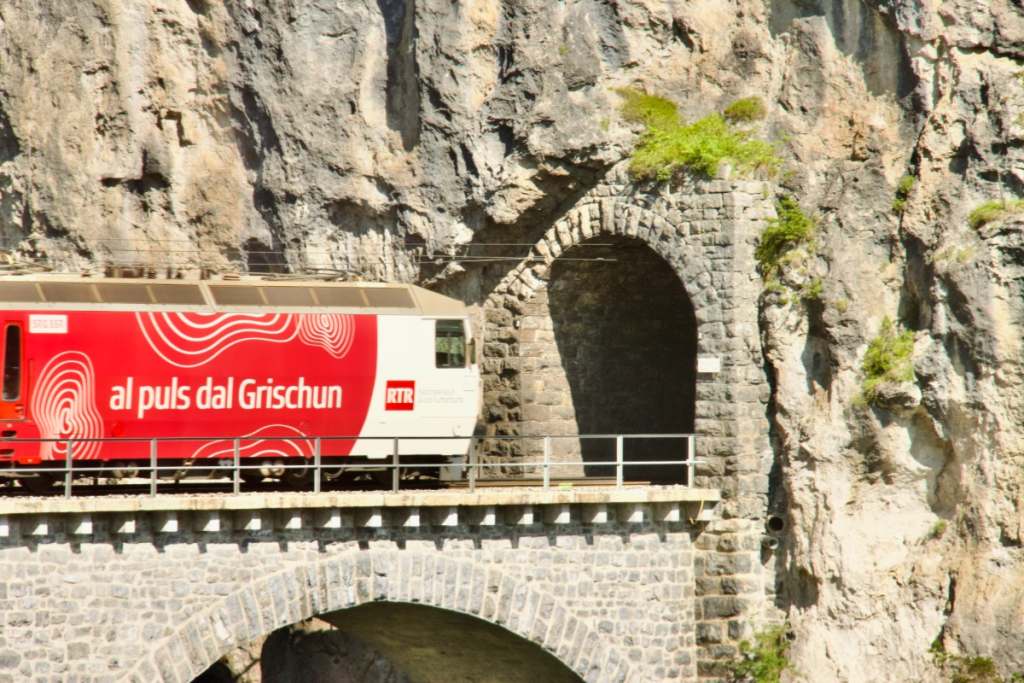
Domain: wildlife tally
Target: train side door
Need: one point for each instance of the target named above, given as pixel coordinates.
(12, 383)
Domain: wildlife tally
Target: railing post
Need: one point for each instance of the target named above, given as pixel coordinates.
(316, 465)
(618, 461)
(691, 457)
(236, 462)
(472, 466)
(547, 462)
(394, 466)
(67, 469)
(152, 467)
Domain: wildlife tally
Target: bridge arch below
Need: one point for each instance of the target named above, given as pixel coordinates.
(537, 603)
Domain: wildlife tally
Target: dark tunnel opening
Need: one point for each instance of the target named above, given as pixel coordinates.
(613, 352)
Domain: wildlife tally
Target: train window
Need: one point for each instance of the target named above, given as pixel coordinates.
(228, 295)
(123, 293)
(68, 292)
(19, 291)
(388, 297)
(450, 344)
(349, 297)
(12, 363)
(180, 295)
(288, 296)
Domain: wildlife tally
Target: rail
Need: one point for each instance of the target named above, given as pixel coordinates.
(677, 470)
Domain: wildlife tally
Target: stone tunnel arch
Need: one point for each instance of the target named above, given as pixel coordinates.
(609, 345)
(538, 351)
(283, 598)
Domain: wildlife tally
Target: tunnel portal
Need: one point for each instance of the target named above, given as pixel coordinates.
(609, 346)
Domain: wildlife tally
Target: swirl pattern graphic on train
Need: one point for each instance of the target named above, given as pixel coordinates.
(269, 440)
(64, 406)
(332, 332)
(190, 340)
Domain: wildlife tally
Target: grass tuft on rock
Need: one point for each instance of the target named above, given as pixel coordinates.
(669, 145)
(887, 360)
(764, 660)
(651, 110)
(903, 188)
(746, 109)
(994, 210)
(967, 669)
(789, 229)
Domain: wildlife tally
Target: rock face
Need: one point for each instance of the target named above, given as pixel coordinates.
(370, 137)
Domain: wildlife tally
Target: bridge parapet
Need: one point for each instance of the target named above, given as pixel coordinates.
(283, 512)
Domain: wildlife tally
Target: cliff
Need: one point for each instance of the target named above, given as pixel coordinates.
(380, 139)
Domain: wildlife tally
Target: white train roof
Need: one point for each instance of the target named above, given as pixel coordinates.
(79, 293)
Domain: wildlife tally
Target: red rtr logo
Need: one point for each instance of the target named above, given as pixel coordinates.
(400, 395)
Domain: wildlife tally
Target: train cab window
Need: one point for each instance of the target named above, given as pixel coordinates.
(450, 344)
(12, 363)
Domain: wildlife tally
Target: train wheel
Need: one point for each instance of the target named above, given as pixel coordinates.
(251, 477)
(40, 484)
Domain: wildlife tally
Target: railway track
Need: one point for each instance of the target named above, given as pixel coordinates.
(83, 488)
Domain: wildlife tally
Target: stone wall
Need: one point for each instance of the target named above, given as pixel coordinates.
(607, 589)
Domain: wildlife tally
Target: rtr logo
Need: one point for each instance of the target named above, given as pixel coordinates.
(399, 395)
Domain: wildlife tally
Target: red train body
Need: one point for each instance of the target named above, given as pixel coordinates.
(101, 367)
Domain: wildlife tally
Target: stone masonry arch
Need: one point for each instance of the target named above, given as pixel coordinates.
(469, 586)
(706, 231)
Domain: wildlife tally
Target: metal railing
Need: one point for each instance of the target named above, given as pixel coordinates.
(681, 470)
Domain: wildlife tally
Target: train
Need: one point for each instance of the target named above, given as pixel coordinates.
(116, 373)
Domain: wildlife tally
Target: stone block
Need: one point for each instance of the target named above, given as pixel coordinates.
(723, 607)
(709, 632)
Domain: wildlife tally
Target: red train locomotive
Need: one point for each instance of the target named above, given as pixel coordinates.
(98, 367)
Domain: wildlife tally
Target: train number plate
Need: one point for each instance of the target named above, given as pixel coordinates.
(48, 324)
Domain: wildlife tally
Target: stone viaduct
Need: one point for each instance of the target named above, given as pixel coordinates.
(158, 589)
(652, 583)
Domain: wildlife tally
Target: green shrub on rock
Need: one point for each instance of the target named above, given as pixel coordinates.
(887, 360)
(669, 146)
(764, 660)
(746, 109)
(789, 229)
